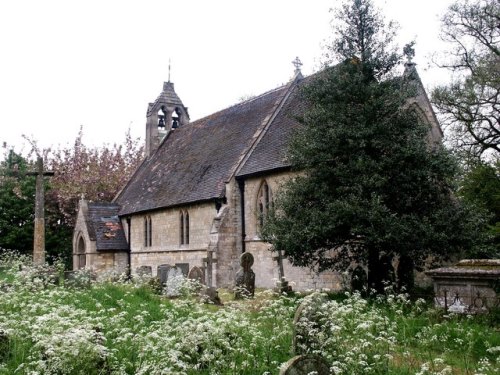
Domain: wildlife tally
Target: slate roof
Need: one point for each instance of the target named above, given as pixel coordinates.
(269, 153)
(194, 161)
(168, 95)
(105, 227)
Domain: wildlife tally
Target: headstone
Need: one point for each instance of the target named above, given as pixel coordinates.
(184, 268)
(245, 277)
(175, 279)
(211, 296)
(305, 365)
(162, 273)
(209, 261)
(144, 271)
(307, 317)
(359, 279)
(197, 274)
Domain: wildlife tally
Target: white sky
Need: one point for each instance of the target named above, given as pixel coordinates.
(98, 63)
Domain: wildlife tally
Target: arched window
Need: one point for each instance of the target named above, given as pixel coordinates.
(181, 226)
(264, 202)
(82, 258)
(184, 228)
(148, 232)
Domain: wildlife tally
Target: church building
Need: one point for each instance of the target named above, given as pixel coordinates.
(198, 199)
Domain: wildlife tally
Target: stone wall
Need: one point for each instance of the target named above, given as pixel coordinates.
(265, 267)
(166, 245)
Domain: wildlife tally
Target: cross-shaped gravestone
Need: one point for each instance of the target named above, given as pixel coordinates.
(209, 260)
(39, 235)
(282, 285)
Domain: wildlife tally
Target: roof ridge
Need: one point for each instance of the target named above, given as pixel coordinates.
(239, 104)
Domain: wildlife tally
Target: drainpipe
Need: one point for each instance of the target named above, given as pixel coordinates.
(129, 257)
(241, 185)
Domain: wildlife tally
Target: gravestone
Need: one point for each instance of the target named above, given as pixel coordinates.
(359, 280)
(144, 271)
(184, 267)
(245, 277)
(210, 295)
(175, 280)
(197, 274)
(470, 286)
(305, 365)
(162, 273)
(307, 317)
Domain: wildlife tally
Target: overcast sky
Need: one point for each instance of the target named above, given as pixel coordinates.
(97, 63)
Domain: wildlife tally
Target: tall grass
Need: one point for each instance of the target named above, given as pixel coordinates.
(125, 328)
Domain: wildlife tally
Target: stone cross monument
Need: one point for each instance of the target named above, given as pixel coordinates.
(39, 235)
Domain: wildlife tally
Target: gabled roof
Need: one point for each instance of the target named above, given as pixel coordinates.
(105, 227)
(168, 95)
(194, 161)
(269, 153)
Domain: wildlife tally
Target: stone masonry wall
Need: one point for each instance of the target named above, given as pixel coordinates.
(265, 268)
(166, 246)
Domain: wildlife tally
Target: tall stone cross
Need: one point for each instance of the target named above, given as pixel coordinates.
(39, 235)
(209, 260)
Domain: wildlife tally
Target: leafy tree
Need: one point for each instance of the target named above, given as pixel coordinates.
(481, 187)
(95, 173)
(470, 105)
(369, 186)
(17, 203)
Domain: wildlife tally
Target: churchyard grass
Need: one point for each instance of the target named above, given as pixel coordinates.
(123, 327)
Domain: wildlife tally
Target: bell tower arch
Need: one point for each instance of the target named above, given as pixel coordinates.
(166, 114)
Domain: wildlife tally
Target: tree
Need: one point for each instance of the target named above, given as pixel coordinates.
(95, 173)
(481, 187)
(470, 105)
(17, 203)
(369, 187)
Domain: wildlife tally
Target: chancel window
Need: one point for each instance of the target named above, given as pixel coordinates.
(148, 232)
(184, 228)
(264, 203)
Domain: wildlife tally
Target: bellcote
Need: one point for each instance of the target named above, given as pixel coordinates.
(165, 114)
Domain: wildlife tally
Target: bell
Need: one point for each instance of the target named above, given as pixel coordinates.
(175, 122)
(161, 123)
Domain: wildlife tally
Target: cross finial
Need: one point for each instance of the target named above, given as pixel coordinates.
(297, 63)
(169, 69)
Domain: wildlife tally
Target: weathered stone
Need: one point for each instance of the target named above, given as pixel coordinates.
(471, 286)
(305, 365)
(245, 277)
(211, 296)
(184, 267)
(175, 280)
(162, 273)
(197, 274)
(306, 318)
(144, 271)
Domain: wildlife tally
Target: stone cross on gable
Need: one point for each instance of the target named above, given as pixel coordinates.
(39, 235)
(297, 63)
(209, 260)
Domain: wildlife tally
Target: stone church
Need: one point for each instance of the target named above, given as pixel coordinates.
(198, 198)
